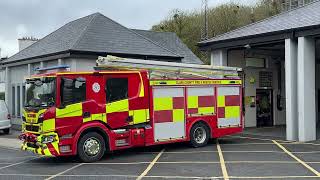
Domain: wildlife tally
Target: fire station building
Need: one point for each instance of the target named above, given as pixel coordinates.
(280, 57)
(78, 44)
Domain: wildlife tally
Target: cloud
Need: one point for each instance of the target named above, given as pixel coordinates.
(40, 17)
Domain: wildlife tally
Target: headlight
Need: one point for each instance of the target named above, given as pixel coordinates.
(48, 139)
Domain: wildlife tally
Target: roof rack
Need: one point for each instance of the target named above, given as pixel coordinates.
(167, 70)
(53, 68)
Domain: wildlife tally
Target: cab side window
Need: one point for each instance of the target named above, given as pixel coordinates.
(73, 90)
(116, 89)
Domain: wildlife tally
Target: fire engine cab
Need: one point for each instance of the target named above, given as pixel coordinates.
(125, 104)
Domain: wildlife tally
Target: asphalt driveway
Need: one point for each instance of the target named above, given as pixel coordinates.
(233, 157)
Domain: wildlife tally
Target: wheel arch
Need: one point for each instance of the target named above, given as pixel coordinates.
(203, 122)
(98, 127)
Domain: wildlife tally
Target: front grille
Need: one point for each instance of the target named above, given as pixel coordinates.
(32, 128)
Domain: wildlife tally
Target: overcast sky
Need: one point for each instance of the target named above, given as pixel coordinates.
(38, 18)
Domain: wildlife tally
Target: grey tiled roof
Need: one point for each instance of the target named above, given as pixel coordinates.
(97, 33)
(172, 42)
(305, 16)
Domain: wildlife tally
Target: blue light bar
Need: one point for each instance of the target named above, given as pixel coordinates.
(52, 67)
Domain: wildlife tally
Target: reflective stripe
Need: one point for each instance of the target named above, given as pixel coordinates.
(96, 117)
(100, 116)
(47, 152)
(139, 116)
(163, 103)
(193, 102)
(206, 110)
(118, 106)
(56, 146)
(141, 94)
(192, 82)
(71, 110)
(178, 115)
(232, 111)
(49, 125)
(221, 101)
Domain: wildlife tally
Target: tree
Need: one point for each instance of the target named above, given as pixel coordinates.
(223, 18)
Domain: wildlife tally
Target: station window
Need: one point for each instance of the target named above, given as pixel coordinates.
(117, 89)
(73, 90)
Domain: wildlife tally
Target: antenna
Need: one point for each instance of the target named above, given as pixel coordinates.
(204, 31)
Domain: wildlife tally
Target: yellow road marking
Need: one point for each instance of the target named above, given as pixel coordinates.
(297, 159)
(145, 172)
(56, 175)
(262, 139)
(237, 144)
(222, 162)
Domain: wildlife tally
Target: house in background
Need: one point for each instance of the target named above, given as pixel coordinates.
(280, 57)
(79, 43)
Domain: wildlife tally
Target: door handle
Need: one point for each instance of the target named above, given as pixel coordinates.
(86, 114)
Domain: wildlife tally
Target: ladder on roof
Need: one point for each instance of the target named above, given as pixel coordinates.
(167, 70)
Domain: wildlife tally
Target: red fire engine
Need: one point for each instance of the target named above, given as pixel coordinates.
(89, 113)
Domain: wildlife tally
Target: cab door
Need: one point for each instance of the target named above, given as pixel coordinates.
(124, 103)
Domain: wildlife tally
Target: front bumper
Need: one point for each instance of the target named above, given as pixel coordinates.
(33, 143)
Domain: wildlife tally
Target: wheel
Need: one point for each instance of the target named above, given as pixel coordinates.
(199, 135)
(91, 147)
(6, 131)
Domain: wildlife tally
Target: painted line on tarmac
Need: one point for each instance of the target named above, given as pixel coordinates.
(14, 164)
(9, 148)
(188, 162)
(270, 177)
(111, 175)
(301, 143)
(237, 144)
(254, 152)
(222, 162)
(305, 152)
(145, 172)
(297, 159)
(263, 162)
(19, 157)
(56, 175)
(188, 152)
(262, 139)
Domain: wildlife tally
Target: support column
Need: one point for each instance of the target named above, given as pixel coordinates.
(21, 98)
(29, 69)
(291, 47)
(219, 58)
(16, 100)
(8, 89)
(306, 89)
(59, 62)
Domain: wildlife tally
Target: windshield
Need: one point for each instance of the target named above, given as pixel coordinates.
(40, 92)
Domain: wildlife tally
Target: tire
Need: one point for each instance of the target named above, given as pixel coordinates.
(91, 147)
(195, 138)
(6, 131)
